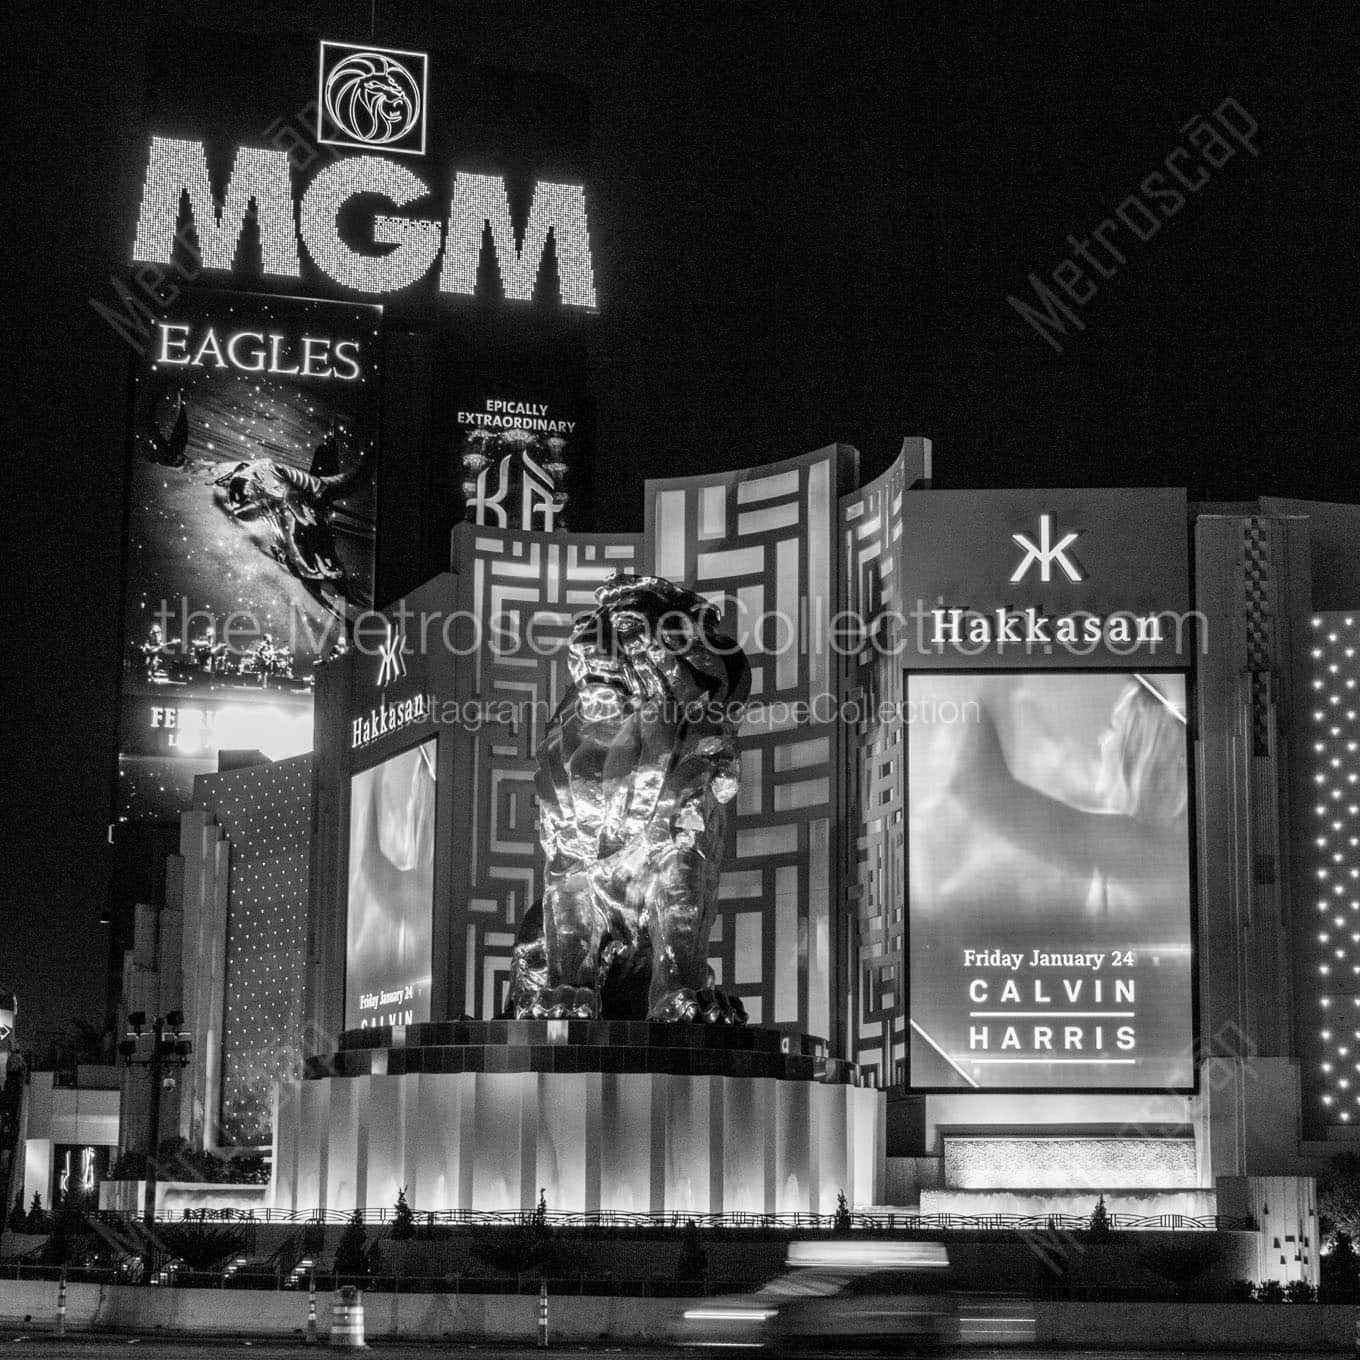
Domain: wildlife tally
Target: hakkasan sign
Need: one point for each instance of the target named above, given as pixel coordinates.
(1067, 578)
(1048, 798)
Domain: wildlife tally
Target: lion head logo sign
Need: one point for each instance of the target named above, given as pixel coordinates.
(372, 97)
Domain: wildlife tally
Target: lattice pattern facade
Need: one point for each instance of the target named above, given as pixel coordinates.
(527, 588)
(871, 683)
(761, 544)
(811, 927)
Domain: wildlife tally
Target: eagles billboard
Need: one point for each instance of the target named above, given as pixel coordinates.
(250, 531)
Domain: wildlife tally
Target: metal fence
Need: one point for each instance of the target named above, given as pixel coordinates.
(789, 1222)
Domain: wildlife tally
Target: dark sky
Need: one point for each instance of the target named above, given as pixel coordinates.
(807, 220)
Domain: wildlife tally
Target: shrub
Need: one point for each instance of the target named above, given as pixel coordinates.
(1239, 1291)
(1098, 1229)
(18, 1219)
(1339, 1196)
(403, 1220)
(1299, 1291)
(200, 1247)
(842, 1222)
(522, 1249)
(177, 1160)
(1182, 1263)
(38, 1221)
(1270, 1291)
(693, 1263)
(351, 1255)
(1341, 1271)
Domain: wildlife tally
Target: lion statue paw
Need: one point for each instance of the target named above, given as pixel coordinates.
(565, 1003)
(707, 1006)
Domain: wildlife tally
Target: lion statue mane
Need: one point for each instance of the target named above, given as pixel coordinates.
(635, 775)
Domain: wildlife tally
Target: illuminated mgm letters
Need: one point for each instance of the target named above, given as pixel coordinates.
(407, 248)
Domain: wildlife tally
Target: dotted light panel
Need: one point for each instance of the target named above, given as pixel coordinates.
(265, 813)
(259, 179)
(416, 242)
(1334, 742)
(480, 204)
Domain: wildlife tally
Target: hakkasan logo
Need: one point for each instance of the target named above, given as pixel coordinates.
(1046, 554)
(371, 97)
(391, 662)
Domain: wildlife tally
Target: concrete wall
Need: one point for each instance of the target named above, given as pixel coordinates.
(506, 1317)
(503, 1317)
(1220, 1326)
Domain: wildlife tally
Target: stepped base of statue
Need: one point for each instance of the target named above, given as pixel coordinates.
(599, 1116)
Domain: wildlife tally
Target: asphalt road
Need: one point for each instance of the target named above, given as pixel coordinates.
(194, 1348)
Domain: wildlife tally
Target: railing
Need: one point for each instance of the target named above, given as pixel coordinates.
(786, 1222)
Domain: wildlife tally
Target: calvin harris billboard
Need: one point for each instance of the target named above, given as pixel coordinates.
(1049, 881)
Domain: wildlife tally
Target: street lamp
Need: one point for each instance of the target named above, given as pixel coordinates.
(170, 1046)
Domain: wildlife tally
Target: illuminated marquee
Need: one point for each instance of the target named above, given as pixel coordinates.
(260, 188)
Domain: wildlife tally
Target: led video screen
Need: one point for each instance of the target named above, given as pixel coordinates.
(389, 932)
(1049, 904)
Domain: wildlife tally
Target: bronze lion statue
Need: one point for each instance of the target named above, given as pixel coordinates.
(635, 775)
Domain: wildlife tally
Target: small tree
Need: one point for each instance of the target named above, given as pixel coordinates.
(38, 1219)
(842, 1221)
(1099, 1229)
(540, 1221)
(693, 1262)
(403, 1220)
(351, 1255)
(18, 1219)
(1341, 1271)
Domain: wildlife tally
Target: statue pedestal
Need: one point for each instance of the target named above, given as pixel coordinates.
(599, 1116)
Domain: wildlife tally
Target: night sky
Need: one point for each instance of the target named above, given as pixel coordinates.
(807, 219)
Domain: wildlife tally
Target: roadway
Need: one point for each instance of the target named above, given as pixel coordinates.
(107, 1347)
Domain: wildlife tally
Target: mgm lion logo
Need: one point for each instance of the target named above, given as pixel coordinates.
(374, 98)
(635, 775)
